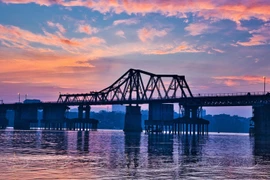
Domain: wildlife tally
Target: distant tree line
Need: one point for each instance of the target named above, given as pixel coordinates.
(115, 120)
(218, 123)
(227, 123)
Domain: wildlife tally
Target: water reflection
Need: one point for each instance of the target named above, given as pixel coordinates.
(53, 142)
(262, 149)
(191, 148)
(83, 141)
(132, 149)
(113, 155)
(160, 149)
(26, 141)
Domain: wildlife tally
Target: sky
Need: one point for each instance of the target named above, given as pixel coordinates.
(49, 47)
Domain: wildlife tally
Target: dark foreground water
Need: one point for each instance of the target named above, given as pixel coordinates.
(106, 154)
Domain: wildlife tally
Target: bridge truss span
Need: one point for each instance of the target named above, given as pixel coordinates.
(135, 86)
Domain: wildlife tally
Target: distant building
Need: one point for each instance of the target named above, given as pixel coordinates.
(118, 108)
(27, 101)
(203, 112)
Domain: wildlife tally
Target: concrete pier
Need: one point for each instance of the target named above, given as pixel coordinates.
(83, 122)
(54, 116)
(3, 119)
(178, 126)
(133, 119)
(190, 123)
(261, 118)
(160, 116)
(24, 115)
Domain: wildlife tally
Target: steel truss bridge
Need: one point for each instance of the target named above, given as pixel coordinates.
(141, 87)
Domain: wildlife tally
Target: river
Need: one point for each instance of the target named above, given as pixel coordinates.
(112, 154)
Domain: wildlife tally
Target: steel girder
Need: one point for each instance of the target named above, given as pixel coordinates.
(135, 85)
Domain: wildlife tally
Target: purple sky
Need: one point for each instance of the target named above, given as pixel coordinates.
(47, 47)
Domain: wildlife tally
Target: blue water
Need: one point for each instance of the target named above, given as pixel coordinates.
(108, 154)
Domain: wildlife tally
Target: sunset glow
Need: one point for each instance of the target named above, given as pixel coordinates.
(67, 46)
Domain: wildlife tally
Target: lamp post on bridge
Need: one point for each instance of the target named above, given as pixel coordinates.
(19, 97)
(264, 84)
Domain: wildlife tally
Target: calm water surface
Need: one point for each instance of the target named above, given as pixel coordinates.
(106, 154)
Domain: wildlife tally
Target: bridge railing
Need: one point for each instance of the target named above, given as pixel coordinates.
(229, 94)
(194, 95)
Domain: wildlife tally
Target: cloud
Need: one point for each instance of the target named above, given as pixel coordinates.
(57, 25)
(148, 33)
(126, 21)
(218, 50)
(256, 60)
(259, 36)
(84, 28)
(255, 40)
(230, 83)
(16, 37)
(207, 9)
(195, 29)
(120, 33)
(23, 44)
(237, 80)
(239, 27)
(173, 49)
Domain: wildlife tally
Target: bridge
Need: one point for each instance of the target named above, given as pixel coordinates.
(136, 87)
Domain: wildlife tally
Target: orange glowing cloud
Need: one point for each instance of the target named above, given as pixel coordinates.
(235, 80)
(25, 68)
(13, 36)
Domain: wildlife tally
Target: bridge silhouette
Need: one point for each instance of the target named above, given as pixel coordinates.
(141, 87)
(137, 87)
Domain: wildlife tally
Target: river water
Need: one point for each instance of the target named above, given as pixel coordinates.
(111, 154)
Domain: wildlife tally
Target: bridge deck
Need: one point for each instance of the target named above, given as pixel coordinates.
(208, 100)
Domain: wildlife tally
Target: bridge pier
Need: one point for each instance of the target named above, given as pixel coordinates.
(24, 115)
(82, 123)
(133, 119)
(160, 118)
(261, 118)
(190, 123)
(54, 116)
(3, 119)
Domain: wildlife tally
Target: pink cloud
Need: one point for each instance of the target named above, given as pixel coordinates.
(230, 83)
(15, 37)
(87, 29)
(57, 25)
(149, 33)
(120, 33)
(236, 80)
(260, 36)
(195, 29)
(255, 40)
